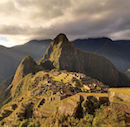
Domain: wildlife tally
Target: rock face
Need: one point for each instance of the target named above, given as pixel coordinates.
(79, 104)
(72, 106)
(120, 101)
(63, 55)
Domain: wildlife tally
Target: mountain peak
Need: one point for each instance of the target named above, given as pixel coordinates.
(61, 38)
(64, 56)
(25, 67)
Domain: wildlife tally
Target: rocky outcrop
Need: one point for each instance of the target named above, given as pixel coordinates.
(63, 55)
(73, 106)
(80, 104)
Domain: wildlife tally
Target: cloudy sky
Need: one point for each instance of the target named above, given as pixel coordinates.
(23, 20)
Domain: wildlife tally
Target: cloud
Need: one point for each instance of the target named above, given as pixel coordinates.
(23, 20)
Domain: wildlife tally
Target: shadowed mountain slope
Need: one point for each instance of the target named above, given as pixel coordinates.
(118, 51)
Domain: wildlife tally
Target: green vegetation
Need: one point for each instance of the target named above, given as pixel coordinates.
(94, 94)
(121, 90)
(63, 78)
(22, 88)
(120, 96)
(28, 123)
(106, 117)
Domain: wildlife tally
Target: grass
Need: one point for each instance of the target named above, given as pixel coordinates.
(106, 117)
(63, 78)
(120, 90)
(48, 108)
(69, 101)
(121, 102)
(94, 94)
(125, 91)
(22, 86)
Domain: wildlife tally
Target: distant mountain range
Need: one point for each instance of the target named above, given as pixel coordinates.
(11, 57)
(118, 52)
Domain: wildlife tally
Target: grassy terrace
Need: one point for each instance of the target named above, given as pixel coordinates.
(63, 78)
(125, 91)
(74, 98)
(122, 102)
(121, 90)
(94, 94)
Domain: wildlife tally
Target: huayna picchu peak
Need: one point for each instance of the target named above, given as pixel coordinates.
(67, 87)
(63, 55)
(61, 38)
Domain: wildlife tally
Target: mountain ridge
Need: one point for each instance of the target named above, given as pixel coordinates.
(15, 54)
(116, 51)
